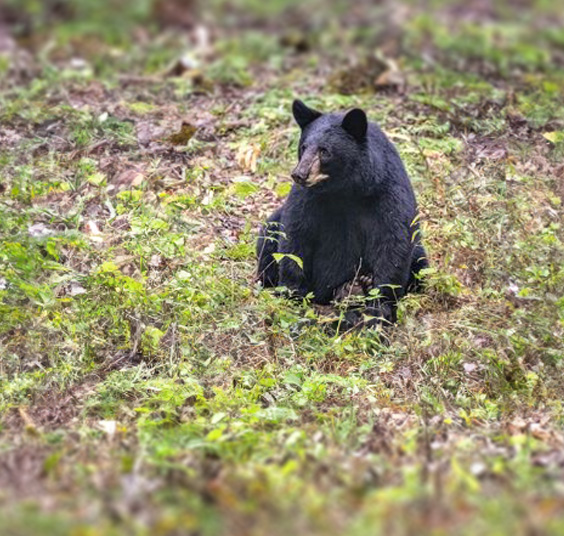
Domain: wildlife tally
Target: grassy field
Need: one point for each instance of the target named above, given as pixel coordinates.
(148, 386)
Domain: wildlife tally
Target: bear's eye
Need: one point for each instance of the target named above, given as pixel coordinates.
(324, 153)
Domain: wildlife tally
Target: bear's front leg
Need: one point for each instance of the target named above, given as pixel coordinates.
(381, 311)
(291, 275)
(389, 267)
(267, 245)
(355, 295)
(387, 291)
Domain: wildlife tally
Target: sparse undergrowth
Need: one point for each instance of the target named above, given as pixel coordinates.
(149, 386)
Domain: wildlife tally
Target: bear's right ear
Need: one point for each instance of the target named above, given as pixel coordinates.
(304, 115)
(356, 124)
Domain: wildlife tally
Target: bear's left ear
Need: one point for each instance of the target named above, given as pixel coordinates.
(303, 114)
(356, 124)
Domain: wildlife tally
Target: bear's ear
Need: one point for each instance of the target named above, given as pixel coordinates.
(304, 115)
(356, 124)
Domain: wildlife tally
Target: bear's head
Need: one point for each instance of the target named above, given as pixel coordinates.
(332, 148)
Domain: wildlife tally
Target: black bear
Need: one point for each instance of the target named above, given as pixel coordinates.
(350, 216)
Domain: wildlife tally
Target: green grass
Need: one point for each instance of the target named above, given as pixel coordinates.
(149, 386)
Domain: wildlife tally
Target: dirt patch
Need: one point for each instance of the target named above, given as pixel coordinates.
(51, 410)
(22, 470)
(560, 183)
(476, 11)
(481, 149)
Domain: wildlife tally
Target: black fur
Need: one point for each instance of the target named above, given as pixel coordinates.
(351, 214)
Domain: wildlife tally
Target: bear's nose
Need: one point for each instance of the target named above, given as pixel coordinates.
(299, 176)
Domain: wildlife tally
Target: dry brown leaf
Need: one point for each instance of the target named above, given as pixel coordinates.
(129, 178)
(247, 157)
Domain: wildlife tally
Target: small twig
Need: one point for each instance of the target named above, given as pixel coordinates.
(28, 421)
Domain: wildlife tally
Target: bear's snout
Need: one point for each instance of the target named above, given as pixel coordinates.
(300, 175)
(308, 171)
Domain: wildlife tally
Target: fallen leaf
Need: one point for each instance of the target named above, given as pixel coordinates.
(183, 136)
(553, 137)
(125, 180)
(469, 367)
(247, 157)
(39, 230)
(75, 289)
(109, 427)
